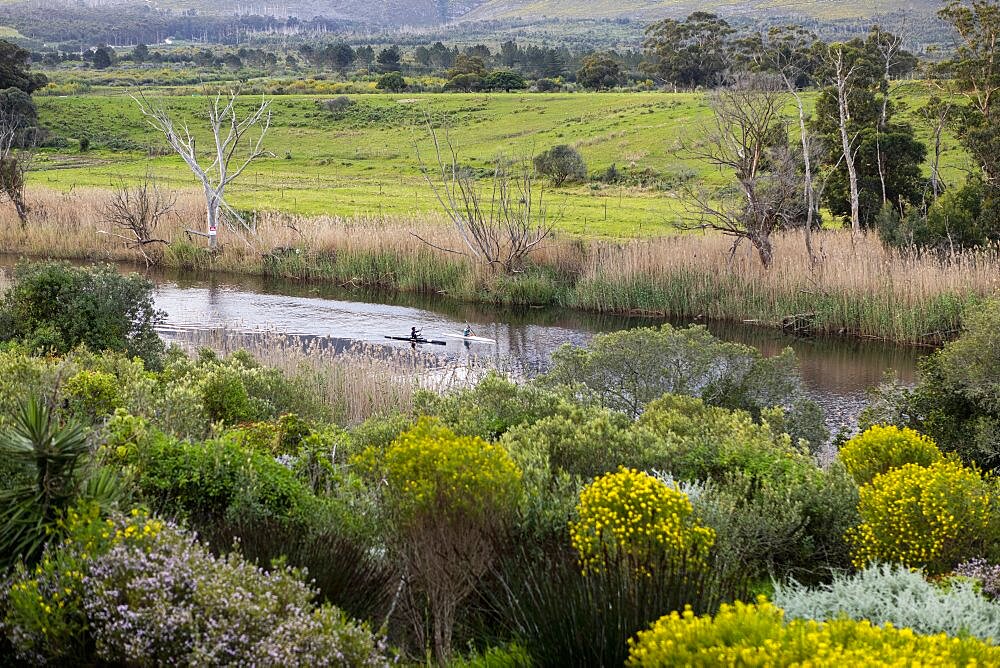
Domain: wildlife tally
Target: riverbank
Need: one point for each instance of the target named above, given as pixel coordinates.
(855, 289)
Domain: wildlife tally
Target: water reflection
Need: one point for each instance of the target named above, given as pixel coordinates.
(837, 371)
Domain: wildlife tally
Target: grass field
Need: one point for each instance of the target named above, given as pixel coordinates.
(364, 163)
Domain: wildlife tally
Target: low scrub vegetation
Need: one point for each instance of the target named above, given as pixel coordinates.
(528, 522)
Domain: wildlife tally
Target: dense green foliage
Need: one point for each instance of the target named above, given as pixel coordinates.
(956, 400)
(55, 307)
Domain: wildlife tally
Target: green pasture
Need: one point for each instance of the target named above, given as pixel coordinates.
(364, 161)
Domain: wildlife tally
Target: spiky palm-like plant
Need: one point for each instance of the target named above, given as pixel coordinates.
(54, 454)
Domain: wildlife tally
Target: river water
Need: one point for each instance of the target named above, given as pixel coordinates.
(836, 371)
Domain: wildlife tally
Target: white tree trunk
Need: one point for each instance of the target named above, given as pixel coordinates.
(844, 117)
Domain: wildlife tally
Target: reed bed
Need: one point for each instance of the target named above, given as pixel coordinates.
(856, 287)
(355, 382)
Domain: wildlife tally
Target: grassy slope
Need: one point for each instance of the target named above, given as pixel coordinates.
(365, 163)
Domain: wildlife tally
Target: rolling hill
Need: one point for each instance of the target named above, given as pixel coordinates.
(431, 12)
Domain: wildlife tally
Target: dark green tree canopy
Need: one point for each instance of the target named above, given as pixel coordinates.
(694, 52)
(14, 69)
(600, 71)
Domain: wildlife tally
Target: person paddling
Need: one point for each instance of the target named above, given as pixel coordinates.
(468, 331)
(415, 333)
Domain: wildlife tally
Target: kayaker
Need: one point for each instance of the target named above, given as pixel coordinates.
(415, 333)
(467, 331)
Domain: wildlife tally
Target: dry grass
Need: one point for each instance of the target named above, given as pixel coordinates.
(355, 383)
(858, 288)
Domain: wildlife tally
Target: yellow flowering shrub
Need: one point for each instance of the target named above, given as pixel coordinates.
(449, 498)
(430, 469)
(882, 448)
(757, 635)
(927, 517)
(632, 515)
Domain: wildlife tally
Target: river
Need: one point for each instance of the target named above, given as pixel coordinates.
(836, 371)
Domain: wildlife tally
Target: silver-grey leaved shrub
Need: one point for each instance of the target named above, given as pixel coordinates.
(885, 593)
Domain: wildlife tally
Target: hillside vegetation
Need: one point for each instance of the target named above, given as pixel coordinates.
(363, 161)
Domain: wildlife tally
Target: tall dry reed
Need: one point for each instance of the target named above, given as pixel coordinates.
(355, 382)
(855, 286)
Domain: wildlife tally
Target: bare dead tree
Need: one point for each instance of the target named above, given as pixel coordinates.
(500, 223)
(785, 51)
(889, 47)
(936, 114)
(229, 158)
(748, 136)
(843, 75)
(16, 156)
(135, 213)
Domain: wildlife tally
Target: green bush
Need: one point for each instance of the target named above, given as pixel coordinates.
(93, 394)
(787, 525)
(882, 448)
(578, 440)
(956, 401)
(626, 370)
(702, 442)
(562, 164)
(213, 479)
(52, 306)
(489, 409)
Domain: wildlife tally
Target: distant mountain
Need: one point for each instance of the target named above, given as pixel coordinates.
(431, 12)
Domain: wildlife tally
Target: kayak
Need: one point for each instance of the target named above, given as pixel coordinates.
(470, 339)
(419, 340)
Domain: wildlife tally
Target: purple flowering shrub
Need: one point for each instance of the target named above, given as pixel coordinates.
(987, 574)
(151, 594)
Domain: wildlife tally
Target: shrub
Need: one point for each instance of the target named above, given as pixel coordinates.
(450, 499)
(567, 618)
(883, 448)
(956, 400)
(884, 594)
(791, 524)
(929, 517)
(581, 441)
(561, 163)
(93, 394)
(145, 591)
(748, 634)
(626, 370)
(212, 480)
(633, 516)
(53, 306)
(702, 442)
(489, 409)
(985, 573)
(54, 457)
(225, 397)
(392, 82)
